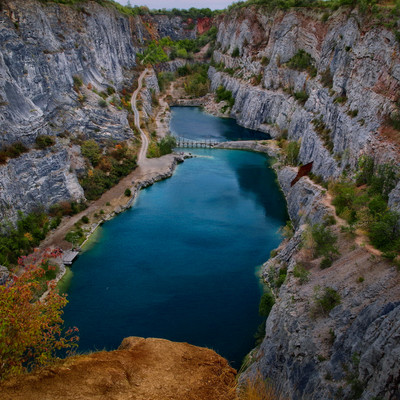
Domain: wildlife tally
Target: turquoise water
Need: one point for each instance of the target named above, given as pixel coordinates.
(204, 126)
(181, 263)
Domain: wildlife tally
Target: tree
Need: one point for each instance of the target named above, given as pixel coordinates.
(266, 303)
(31, 330)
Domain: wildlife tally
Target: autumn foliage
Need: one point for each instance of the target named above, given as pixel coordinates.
(31, 329)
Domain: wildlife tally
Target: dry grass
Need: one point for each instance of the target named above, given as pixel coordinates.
(257, 388)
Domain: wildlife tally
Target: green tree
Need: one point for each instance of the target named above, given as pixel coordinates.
(91, 150)
(325, 241)
(266, 303)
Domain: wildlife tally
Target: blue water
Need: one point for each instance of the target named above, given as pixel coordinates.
(192, 123)
(181, 263)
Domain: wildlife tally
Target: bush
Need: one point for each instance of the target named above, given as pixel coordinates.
(266, 303)
(85, 219)
(326, 263)
(301, 97)
(43, 141)
(225, 95)
(91, 150)
(292, 153)
(325, 241)
(301, 273)
(167, 144)
(128, 192)
(236, 52)
(302, 61)
(326, 300)
(15, 241)
(281, 277)
(385, 233)
(102, 103)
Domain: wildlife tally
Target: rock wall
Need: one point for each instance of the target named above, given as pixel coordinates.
(351, 351)
(362, 62)
(55, 60)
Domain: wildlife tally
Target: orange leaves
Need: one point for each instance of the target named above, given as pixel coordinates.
(31, 330)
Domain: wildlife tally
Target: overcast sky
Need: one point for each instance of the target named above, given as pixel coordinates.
(213, 4)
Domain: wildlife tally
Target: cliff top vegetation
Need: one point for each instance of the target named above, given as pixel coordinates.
(192, 13)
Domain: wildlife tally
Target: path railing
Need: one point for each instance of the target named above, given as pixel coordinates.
(190, 143)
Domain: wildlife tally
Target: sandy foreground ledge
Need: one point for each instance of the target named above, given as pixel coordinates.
(142, 369)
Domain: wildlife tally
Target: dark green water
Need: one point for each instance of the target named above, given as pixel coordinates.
(192, 123)
(181, 263)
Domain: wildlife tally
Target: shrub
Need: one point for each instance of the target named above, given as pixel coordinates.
(225, 95)
(302, 61)
(91, 150)
(15, 241)
(352, 113)
(326, 263)
(236, 52)
(301, 273)
(43, 141)
(323, 132)
(385, 233)
(77, 82)
(12, 151)
(288, 230)
(128, 192)
(264, 61)
(301, 97)
(85, 219)
(102, 103)
(281, 277)
(325, 241)
(292, 153)
(325, 300)
(266, 302)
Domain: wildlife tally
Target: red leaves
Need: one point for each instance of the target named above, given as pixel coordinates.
(31, 330)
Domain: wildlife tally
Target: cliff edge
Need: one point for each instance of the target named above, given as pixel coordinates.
(141, 368)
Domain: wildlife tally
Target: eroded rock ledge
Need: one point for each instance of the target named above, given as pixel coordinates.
(155, 369)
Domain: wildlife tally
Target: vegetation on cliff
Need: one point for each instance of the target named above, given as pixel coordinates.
(31, 331)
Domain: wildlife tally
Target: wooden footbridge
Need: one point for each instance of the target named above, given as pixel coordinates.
(190, 143)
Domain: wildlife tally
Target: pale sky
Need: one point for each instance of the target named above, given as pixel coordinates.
(185, 4)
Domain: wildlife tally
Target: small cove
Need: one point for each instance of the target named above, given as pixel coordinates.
(181, 264)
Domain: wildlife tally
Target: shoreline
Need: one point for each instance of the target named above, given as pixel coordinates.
(158, 170)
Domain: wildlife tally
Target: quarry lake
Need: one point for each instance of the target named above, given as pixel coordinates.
(181, 263)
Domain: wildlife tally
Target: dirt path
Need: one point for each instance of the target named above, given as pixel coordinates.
(145, 140)
(114, 200)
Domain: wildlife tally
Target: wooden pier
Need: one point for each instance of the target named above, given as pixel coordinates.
(190, 143)
(69, 256)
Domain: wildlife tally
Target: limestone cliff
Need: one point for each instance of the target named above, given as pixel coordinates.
(351, 352)
(358, 64)
(55, 60)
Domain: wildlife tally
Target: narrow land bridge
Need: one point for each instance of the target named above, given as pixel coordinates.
(189, 143)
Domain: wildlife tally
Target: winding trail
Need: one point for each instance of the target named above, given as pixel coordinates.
(148, 170)
(145, 140)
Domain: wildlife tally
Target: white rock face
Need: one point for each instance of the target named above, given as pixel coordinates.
(353, 351)
(42, 48)
(364, 68)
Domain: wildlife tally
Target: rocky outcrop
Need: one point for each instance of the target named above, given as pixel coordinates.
(348, 352)
(55, 62)
(149, 92)
(361, 66)
(37, 179)
(141, 369)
